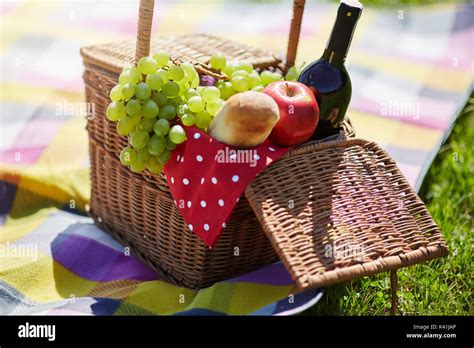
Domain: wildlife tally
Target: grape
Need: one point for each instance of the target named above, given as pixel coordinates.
(136, 119)
(227, 90)
(160, 99)
(155, 82)
(183, 108)
(196, 104)
(161, 57)
(258, 89)
(127, 156)
(244, 65)
(135, 74)
(147, 124)
(229, 69)
(163, 74)
(242, 73)
(134, 107)
(157, 144)
(186, 84)
(175, 101)
(125, 126)
(193, 76)
(177, 134)
(267, 77)
(167, 112)
(183, 87)
(169, 144)
(164, 156)
(213, 108)
(171, 89)
(254, 79)
(188, 119)
(150, 109)
(147, 65)
(142, 91)
(292, 74)
(116, 93)
(143, 155)
(240, 84)
(129, 75)
(191, 93)
(137, 167)
(199, 89)
(176, 73)
(153, 166)
(211, 94)
(115, 111)
(277, 77)
(161, 127)
(128, 91)
(203, 118)
(139, 139)
(207, 80)
(218, 61)
(188, 69)
(195, 81)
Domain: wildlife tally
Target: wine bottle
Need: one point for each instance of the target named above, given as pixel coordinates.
(327, 77)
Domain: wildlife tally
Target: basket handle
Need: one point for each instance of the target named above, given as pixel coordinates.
(145, 19)
(295, 29)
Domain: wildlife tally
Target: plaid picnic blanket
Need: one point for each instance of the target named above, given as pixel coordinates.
(411, 69)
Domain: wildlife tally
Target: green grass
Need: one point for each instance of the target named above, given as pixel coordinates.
(443, 286)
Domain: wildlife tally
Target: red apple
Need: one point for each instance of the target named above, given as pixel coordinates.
(299, 112)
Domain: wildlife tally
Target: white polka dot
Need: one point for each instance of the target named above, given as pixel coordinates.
(214, 180)
(182, 159)
(190, 227)
(197, 135)
(199, 158)
(271, 148)
(237, 199)
(202, 181)
(178, 158)
(172, 179)
(224, 225)
(235, 178)
(221, 202)
(185, 181)
(206, 227)
(189, 204)
(257, 157)
(203, 204)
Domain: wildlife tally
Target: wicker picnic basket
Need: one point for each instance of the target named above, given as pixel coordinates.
(346, 192)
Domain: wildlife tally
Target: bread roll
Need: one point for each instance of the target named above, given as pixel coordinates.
(245, 120)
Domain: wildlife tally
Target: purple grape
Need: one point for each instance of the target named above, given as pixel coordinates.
(207, 80)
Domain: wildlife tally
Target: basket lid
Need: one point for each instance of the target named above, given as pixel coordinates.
(340, 210)
(194, 48)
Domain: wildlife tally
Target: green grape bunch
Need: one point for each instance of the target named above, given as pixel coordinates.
(242, 76)
(157, 98)
(145, 106)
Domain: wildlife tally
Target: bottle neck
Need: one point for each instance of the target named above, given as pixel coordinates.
(341, 36)
(334, 58)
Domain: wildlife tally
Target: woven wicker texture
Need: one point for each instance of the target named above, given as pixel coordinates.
(340, 210)
(194, 48)
(138, 210)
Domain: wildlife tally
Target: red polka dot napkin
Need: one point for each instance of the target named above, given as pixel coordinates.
(206, 179)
